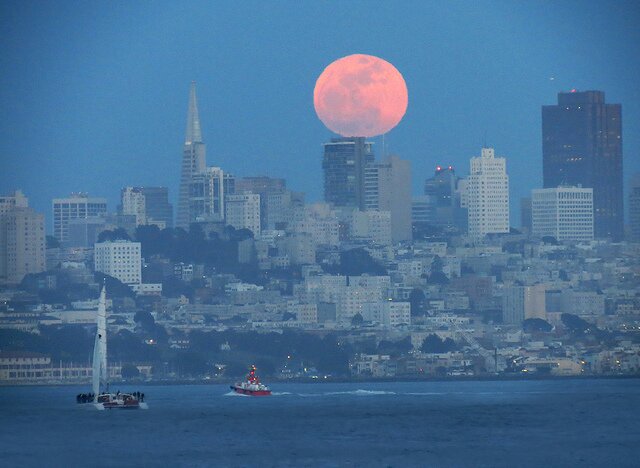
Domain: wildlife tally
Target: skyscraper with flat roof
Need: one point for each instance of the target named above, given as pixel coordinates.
(343, 165)
(77, 206)
(388, 188)
(206, 196)
(565, 213)
(488, 195)
(582, 145)
(22, 239)
(157, 206)
(193, 158)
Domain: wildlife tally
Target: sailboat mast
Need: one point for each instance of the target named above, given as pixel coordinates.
(100, 346)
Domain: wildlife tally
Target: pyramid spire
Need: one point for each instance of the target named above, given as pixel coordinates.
(194, 134)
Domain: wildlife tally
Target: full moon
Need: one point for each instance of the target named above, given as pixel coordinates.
(360, 95)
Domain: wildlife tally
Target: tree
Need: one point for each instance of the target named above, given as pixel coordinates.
(395, 348)
(52, 242)
(115, 287)
(434, 344)
(129, 371)
(416, 299)
(575, 324)
(116, 234)
(191, 364)
(357, 320)
(145, 319)
(534, 325)
(356, 262)
(437, 275)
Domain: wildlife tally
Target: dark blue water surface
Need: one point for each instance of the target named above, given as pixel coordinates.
(523, 423)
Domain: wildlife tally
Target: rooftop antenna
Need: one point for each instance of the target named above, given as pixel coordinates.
(484, 143)
(384, 150)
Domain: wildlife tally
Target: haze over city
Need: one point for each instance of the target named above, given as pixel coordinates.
(336, 233)
(95, 95)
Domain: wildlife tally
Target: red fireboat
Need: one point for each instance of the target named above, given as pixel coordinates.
(251, 386)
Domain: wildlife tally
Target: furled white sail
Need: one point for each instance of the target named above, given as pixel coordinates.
(100, 346)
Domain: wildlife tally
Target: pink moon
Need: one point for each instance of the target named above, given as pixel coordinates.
(360, 95)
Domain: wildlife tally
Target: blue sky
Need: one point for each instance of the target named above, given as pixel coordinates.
(94, 96)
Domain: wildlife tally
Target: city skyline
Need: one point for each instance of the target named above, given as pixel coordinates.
(122, 141)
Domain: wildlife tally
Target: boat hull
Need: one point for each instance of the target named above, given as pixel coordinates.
(119, 406)
(244, 391)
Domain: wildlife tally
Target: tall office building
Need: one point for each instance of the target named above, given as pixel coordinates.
(634, 208)
(15, 200)
(261, 185)
(444, 191)
(266, 187)
(22, 239)
(488, 195)
(387, 187)
(343, 165)
(242, 211)
(565, 213)
(422, 210)
(132, 202)
(206, 196)
(525, 214)
(193, 158)
(78, 205)
(157, 206)
(582, 145)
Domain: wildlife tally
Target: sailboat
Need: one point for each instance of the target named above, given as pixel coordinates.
(103, 399)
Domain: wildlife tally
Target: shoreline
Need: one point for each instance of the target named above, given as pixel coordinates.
(408, 379)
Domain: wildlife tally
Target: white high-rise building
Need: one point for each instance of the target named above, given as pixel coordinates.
(77, 206)
(565, 213)
(121, 259)
(15, 200)
(133, 202)
(488, 195)
(242, 211)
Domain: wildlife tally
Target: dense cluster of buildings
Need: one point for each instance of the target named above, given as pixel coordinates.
(448, 262)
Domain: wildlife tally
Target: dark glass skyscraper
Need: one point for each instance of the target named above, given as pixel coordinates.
(157, 206)
(444, 198)
(343, 165)
(582, 145)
